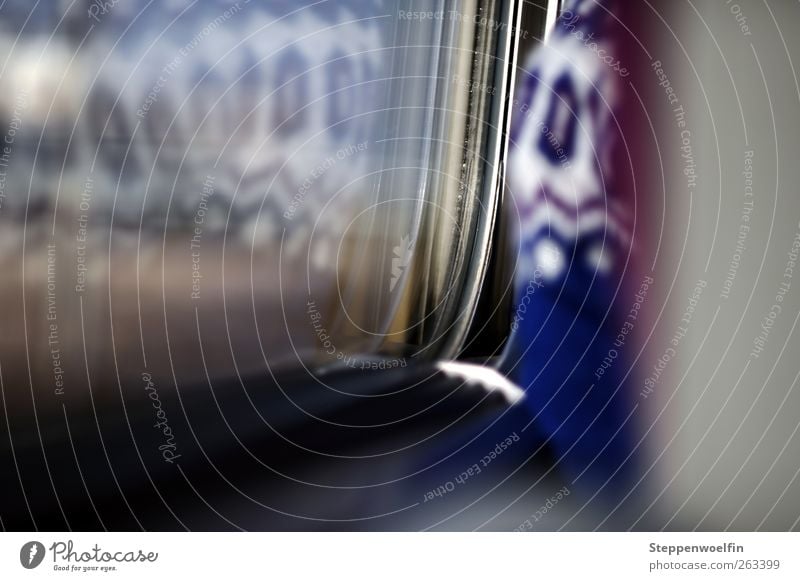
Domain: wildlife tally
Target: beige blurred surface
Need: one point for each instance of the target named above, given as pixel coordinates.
(727, 419)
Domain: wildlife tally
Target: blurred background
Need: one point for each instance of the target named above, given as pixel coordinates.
(398, 265)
